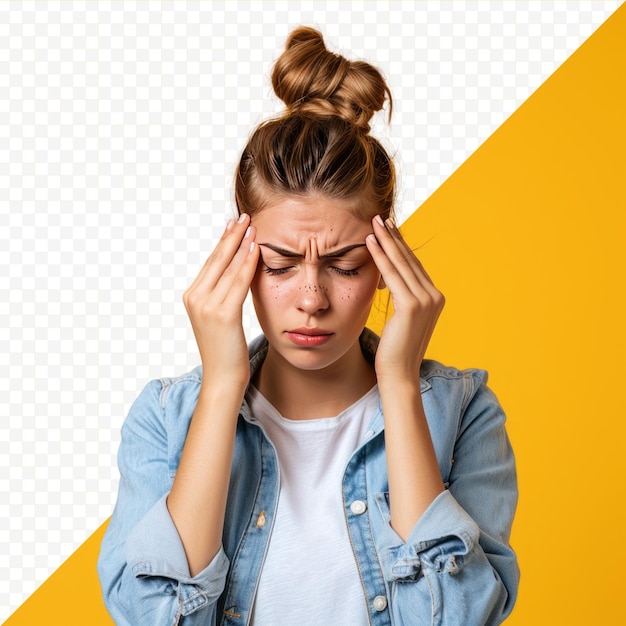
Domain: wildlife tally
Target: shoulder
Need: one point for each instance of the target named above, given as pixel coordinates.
(179, 388)
(161, 394)
(464, 416)
(459, 401)
(451, 380)
(164, 405)
(455, 398)
(158, 421)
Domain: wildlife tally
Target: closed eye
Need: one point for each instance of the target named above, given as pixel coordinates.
(276, 271)
(342, 272)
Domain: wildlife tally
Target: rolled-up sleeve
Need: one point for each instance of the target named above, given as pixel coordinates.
(142, 566)
(458, 553)
(441, 539)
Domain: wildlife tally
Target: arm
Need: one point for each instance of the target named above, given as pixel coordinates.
(414, 479)
(412, 469)
(142, 565)
(162, 557)
(455, 542)
(197, 501)
(457, 562)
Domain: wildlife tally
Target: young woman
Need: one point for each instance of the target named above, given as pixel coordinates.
(320, 475)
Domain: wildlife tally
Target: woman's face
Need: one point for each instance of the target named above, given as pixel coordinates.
(315, 282)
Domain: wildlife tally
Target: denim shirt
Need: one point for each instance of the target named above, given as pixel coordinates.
(455, 568)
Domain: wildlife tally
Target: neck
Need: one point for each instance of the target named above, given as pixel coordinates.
(309, 394)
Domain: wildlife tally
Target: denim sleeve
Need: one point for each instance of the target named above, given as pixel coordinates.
(459, 552)
(142, 564)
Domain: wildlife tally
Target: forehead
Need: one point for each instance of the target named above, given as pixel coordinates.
(294, 219)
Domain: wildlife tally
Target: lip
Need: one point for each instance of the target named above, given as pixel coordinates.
(309, 337)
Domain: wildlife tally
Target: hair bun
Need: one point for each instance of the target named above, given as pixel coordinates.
(308, 78)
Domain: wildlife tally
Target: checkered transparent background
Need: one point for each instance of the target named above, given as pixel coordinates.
(120, 125)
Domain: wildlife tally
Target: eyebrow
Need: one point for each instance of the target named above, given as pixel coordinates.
(335, 254)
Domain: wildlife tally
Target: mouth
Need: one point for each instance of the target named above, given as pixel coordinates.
(309, 337)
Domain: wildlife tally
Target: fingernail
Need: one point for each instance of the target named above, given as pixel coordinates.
(389, 223)
(379, 219)
(242, 218)
(229, 224)
(251, 246)
(248, 231)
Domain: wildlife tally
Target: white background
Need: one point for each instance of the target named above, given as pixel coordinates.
(120, 126)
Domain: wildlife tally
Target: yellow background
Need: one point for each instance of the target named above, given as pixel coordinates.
(527, 241)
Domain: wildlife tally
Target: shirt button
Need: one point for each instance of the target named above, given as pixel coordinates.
(380, 603)
(358, 507)
(368, 434)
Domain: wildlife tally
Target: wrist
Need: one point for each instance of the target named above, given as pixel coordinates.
(225, 378)
(217, 391)
(395, 383)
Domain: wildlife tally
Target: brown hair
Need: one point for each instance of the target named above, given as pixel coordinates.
(320, 145)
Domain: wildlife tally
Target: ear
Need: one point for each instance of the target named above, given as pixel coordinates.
(381, 283)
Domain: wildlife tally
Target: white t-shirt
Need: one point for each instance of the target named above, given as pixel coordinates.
(310, 576)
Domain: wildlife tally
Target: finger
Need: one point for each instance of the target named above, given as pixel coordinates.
(402, 283)
(420, 312)
(242, 281)
(234, 282)
(395, 232)
(390, 274)
(403, 258)
(407, 255)
(222, 255)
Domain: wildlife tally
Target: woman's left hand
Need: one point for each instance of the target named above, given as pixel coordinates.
(417, 304)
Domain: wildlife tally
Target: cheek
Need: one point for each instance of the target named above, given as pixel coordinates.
(358, 292)
(268, 289)
(348, 294)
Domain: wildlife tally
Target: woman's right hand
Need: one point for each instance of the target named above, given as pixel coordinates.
(214, 304)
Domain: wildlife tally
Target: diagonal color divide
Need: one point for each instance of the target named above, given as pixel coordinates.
(527, 241)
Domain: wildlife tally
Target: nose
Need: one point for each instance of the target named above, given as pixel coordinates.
(312, 296)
